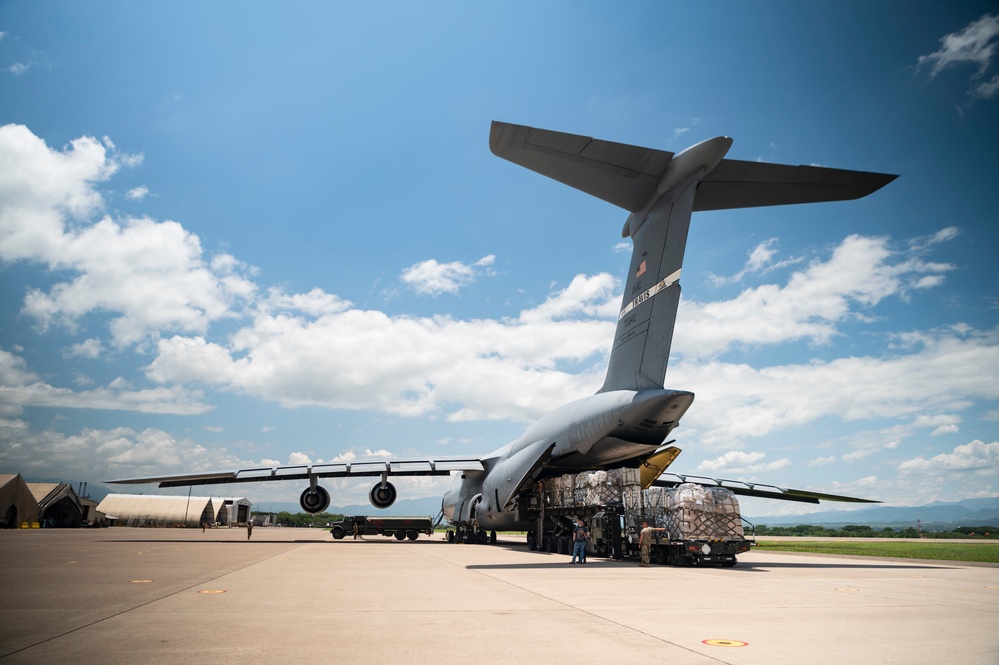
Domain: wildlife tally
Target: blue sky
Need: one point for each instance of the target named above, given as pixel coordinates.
(234, 234)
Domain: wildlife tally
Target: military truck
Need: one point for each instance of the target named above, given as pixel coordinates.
(399, 527)
(699, 525)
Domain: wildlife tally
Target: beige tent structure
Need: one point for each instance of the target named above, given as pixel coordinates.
(159, 510)
(58, 505)
(18, 507)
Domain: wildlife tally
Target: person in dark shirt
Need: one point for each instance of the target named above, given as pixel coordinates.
(579, 536)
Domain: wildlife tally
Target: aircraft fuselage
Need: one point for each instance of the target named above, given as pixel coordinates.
(603, 431)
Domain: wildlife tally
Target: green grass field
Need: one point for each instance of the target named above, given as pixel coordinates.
(987, 552)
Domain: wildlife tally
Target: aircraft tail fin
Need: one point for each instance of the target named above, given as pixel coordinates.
(661, 190)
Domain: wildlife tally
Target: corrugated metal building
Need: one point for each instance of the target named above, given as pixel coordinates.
(159, 510)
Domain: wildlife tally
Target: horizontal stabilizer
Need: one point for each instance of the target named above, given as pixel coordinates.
(738, 184)
(760, 490)
(624, 175)
(627, 175)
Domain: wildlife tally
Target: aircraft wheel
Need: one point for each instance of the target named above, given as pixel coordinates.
(546, 544)
(532, 542)
(492, 537)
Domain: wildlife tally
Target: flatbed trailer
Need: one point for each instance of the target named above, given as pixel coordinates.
(695, 525)
(398, 527)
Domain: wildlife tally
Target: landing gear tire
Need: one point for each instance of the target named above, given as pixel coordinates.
(492, 537)
(532, 542)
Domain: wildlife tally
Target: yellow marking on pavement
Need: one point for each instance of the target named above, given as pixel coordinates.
(208, 591)
(725, 643)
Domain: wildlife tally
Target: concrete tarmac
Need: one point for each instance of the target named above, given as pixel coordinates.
(131, 596)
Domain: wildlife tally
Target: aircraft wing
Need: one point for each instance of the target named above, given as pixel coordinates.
(627, 175)
(755, 489)
(440, 466)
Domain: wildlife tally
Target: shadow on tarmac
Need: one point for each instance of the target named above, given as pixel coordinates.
(211, 542)
(554, 560)
(739, 567)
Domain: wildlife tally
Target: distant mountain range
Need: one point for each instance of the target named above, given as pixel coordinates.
(936, 515)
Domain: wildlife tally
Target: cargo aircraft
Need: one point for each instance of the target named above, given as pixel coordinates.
(626, 423)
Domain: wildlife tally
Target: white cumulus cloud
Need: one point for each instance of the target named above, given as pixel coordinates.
(433, 278)
(974, 44)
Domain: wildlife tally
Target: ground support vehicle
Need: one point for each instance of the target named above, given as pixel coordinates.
(700, 525)
(399, 527)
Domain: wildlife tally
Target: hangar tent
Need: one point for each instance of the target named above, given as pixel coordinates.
(18, 506)
(58, 505)
(159, 510)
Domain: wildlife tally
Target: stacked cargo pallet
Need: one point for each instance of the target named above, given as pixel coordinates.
(702, 513)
